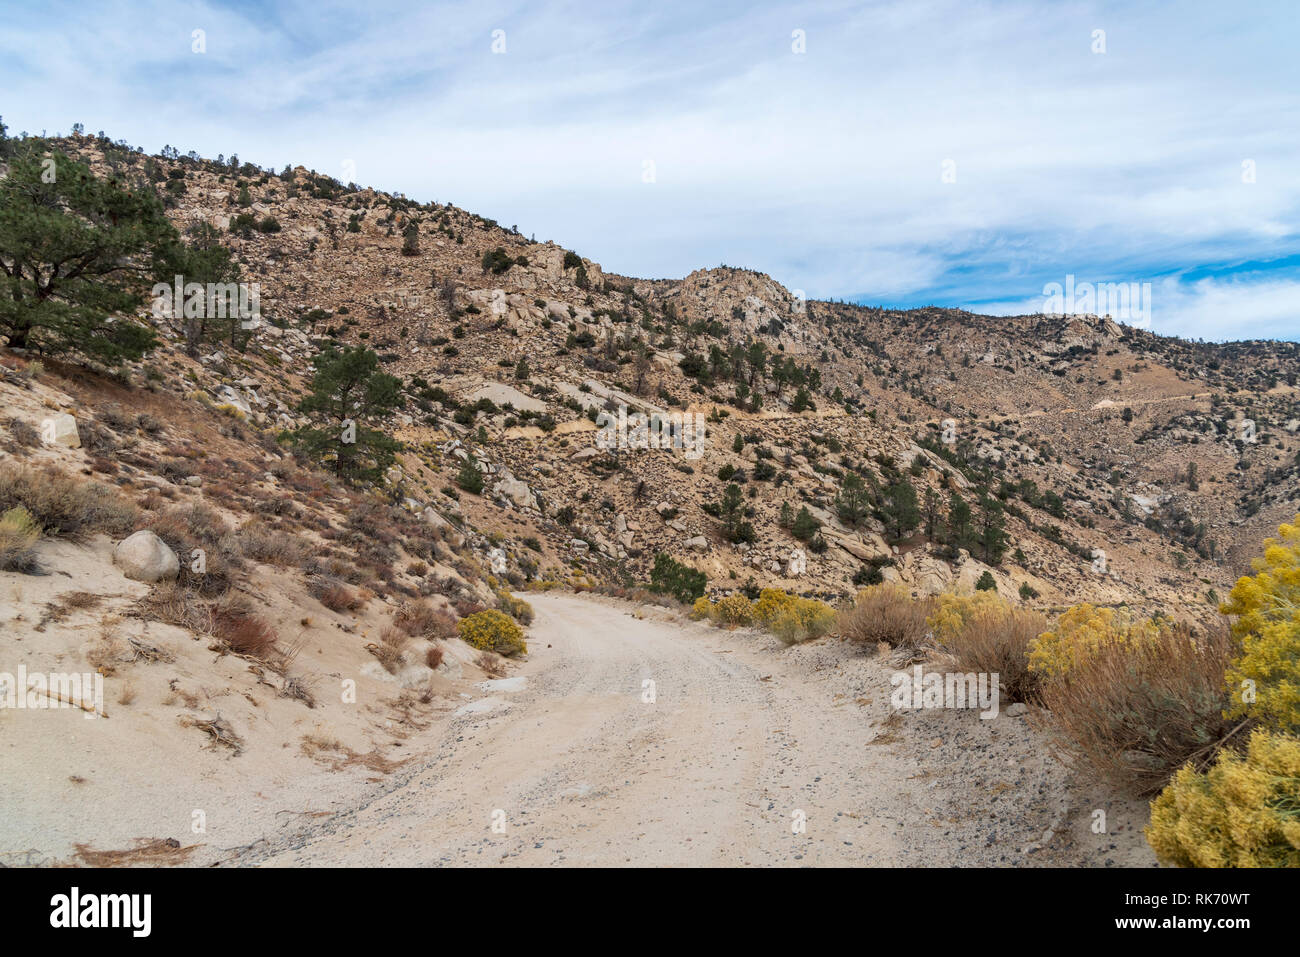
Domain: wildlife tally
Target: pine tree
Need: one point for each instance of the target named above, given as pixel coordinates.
(853, 503)
(756, 357)
(960, 531)
(76, 250)
(930, 510)
(470, 477)
(348, 390)
(204, 259)
(805, 525)
(993, 534)
(732, 512)
(899, 508)
(411, 240)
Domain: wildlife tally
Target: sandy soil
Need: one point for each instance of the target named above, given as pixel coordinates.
(148, 773)
(567, 762)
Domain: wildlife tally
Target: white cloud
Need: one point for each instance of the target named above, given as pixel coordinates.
(822, 168)
(1242, 307)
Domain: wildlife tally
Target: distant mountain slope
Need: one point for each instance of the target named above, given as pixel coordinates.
(1122, 464)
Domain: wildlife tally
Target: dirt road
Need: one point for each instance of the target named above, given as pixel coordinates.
(739, 752)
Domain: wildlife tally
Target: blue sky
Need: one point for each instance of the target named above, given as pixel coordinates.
(825, 168)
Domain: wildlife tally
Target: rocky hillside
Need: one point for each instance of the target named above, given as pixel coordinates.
(1063, 458)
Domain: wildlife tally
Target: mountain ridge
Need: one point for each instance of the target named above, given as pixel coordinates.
(1118, 414)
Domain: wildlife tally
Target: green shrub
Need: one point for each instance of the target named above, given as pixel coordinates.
(470, 477)
(516, 608)
(805, 525)
(497, 261)
(671, 577)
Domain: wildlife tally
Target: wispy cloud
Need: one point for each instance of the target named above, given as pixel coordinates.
(824, 167)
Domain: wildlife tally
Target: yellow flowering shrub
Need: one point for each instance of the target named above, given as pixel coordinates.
(546, 584)
(956, 611)
(771, 603)
(733, 610)
(801, 619)
(1267, 606)
(1082, 630)
(1244, 812)
(492, 630)
(787, 616)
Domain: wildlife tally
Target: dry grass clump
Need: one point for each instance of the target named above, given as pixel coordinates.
(886, 613)
(189, 529)
(299, 688)
(19, 534)
(195, 523)
(320, 747)
(218, 729)
(64, 605)
(173, 603)
(24, 434)
(491, 664)
(420, 619)
(466, 607)
(240, 630)
(114, 417)
(62, 504)
(433, 657)
(993, 638)
(635, 593)
(157, 852)
(296, 686)
(390, 649)
(334, 595)
(112, 649)
(1135, 714)
(269, 546)
(330, 566)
